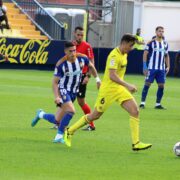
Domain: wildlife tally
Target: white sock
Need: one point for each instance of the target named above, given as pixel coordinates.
(158, 104)
(58, 136)
(143, 103)
(41, 114)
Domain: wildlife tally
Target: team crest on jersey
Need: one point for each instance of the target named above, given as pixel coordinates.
(112, 62)
(64, 97)
(81, 64)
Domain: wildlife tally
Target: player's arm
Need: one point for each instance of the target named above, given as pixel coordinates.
(145, 56)
(90, 53)
(91, 58)
(57, 97)
(95, 74)
(167, 61)
(114, 77)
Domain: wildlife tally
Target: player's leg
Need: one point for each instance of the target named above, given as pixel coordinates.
(86, 109)
(83, 104)
(149, 79)
(58, 116)
(131, 107)
(160, 79)
(54, 119)
(103, 101)
(69, 111)
(84, 120)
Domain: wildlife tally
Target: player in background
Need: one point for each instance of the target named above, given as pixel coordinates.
(139, 45)
(158, 66)
(67, 77)
(84, 48)
(114, 89)
(3, 17)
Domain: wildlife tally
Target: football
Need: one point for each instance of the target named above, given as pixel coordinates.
(176, 149)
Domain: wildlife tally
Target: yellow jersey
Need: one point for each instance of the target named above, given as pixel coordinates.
(116, 60)
(139, 46)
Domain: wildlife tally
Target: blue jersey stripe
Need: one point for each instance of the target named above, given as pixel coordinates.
(67, 77)
(74, 77)
(160, 56)
(154, 56)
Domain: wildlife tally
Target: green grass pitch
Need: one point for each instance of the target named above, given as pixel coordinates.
(28, 153)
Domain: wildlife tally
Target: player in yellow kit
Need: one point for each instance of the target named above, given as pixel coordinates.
(115, 89)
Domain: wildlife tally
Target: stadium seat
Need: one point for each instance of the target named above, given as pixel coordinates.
(21, 26)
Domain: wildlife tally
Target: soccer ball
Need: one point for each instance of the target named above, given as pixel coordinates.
(176, 149)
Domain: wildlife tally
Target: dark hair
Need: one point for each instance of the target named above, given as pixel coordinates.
(79, 28)
(128, 38)
(68, 44)
(159, 27)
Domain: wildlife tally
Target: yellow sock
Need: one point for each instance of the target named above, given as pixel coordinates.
(134, 125)
(80, 123)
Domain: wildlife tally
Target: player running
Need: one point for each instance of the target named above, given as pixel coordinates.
(114, 89)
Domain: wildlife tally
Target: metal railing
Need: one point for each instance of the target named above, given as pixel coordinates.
(42, 19)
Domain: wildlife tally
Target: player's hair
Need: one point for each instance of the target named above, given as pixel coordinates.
(128, 38)
(79, 28)
(159, 27)
(68, 44)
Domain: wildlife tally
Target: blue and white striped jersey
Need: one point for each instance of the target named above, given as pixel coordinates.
(70, 73)
(157, 51)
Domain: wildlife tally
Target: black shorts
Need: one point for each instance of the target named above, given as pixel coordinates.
(82, 88)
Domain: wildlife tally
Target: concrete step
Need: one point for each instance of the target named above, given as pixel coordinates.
(23, 27)
(30, 32)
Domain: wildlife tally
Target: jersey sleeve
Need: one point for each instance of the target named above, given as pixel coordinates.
(86, 61)
(112, 62)
(147, 47)
(58, 71)
(166, 48)
(90, 53)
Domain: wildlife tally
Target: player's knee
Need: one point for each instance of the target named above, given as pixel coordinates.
(135, 112)
(161, 85)
(148, 84)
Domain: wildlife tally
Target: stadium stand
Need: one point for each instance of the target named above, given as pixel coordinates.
(21, 26)
(74, 2)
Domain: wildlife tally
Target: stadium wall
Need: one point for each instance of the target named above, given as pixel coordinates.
(43, 55)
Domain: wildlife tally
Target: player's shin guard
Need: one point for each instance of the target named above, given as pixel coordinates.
(86, 109)
(50, 118)
(65, 121)
(80, 123)
(134, 125)
(159, 94)
(144, 93)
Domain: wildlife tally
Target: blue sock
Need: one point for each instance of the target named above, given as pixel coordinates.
(144, 93)
(159, 94)
(50, 118)
(65, 121)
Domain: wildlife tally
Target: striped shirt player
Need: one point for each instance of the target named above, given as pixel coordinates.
(156, 53)
(67, 77)
(70, 74)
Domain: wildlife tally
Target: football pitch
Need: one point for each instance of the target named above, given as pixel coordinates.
(28, 153)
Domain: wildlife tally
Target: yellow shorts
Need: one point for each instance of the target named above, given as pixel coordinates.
(107, 96)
